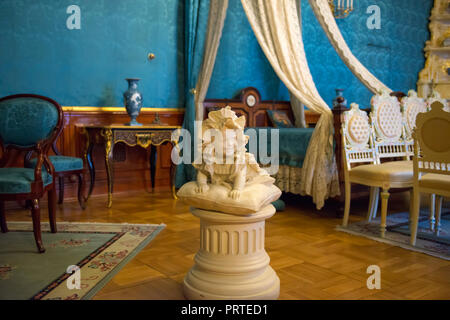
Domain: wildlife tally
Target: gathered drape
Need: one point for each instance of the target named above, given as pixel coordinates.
(276, 25)
(217, 15)
(298, 109)
(196, 19)
(200, 55)
(323, 13)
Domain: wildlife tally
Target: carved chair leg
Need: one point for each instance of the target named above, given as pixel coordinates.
(414, 217)
(61, 189)
(3, 225)
(373, 203)
(384, 206)
(81, 199)
(432, 211)
(36, 216)
(437, 227)
(52, 209)
(347, 203)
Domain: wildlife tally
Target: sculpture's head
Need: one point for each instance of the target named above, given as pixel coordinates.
(223, 136)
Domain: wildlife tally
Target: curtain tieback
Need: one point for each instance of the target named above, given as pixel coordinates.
(193, 91)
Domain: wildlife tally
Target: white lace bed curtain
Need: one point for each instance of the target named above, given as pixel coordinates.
(276, 25)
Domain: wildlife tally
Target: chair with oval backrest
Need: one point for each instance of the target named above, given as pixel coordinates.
(64, 167)
(358, 147)
(28, 123)
(431, 161)
(411, 106)
(388, 130)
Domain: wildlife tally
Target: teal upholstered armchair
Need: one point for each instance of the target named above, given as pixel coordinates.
(28, 123)
(64, 167)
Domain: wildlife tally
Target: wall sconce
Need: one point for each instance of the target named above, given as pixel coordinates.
(341, 8)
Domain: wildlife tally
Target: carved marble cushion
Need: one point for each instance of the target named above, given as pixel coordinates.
(253, 198)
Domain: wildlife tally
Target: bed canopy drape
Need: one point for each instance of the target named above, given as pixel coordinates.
(326, 19)
(277, 27)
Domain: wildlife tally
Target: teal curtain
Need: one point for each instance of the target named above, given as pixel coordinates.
(196, 21)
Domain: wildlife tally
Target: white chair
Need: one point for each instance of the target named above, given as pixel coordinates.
(431, 161)
(411, 106)
(388, 128)
(358, 147)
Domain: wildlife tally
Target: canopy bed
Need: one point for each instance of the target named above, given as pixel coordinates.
(277, 27)
(293, 142)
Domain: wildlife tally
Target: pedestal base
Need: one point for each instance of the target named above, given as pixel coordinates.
(232, 263)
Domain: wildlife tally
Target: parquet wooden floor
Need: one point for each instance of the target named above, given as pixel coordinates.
(312, 260)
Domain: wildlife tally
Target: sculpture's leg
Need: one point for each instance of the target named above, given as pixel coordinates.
(232, 262)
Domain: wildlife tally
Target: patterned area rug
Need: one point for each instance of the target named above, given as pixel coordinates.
(100, 250)
(398, 233)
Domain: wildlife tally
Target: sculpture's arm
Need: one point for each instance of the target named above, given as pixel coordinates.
(239, 184)
(202, 182)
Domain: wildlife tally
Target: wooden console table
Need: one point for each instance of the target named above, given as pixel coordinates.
(108, 135)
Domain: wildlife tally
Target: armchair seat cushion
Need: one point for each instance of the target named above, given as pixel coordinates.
(435, 181)
(61, 163)
(400, 172)
(18, 180)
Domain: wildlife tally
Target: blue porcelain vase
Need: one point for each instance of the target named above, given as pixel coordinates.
(133, 101)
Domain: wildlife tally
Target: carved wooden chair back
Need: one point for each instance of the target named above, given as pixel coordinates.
(387, 121)
(411, 105)
(432, 141)
(357, 138)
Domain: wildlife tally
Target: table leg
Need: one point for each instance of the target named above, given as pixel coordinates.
(89, 161)
(153, 157)
(109, 146)
(172, 175)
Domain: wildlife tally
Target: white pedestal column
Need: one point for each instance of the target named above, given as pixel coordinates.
(232, 262)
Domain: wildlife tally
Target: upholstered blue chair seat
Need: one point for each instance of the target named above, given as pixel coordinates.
(61, 163)
(18, 180)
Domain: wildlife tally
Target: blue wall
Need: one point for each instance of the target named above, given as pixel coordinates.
(88, 66)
